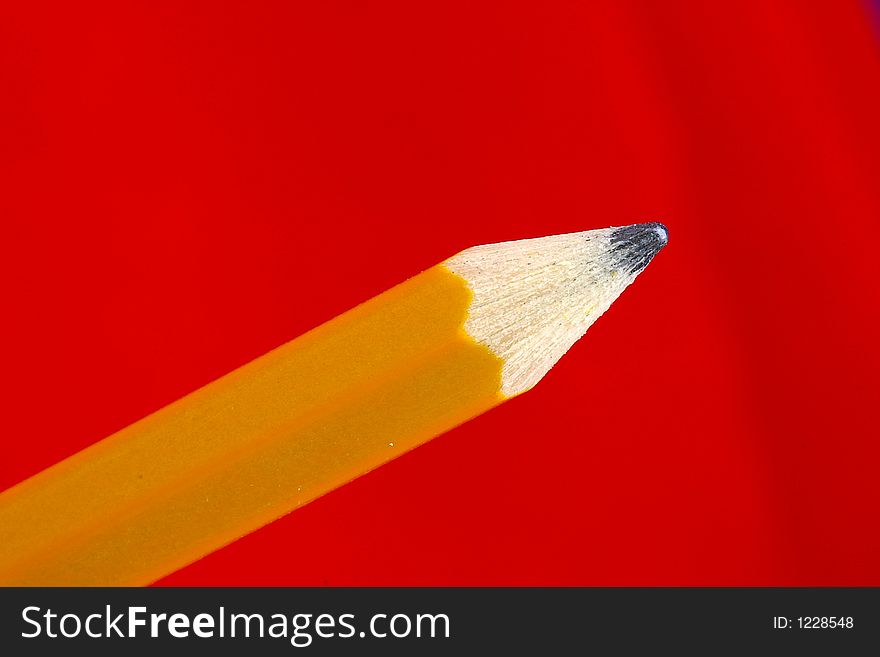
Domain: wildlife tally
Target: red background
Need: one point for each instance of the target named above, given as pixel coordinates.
(184, 186)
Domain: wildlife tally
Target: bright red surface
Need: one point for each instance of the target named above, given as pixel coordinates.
(185, 185)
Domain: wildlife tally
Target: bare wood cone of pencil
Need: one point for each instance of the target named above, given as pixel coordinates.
(413, 362)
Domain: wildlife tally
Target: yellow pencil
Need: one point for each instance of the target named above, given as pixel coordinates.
(329, 406)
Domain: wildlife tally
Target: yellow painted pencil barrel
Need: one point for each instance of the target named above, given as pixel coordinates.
(288, 427)
(247, 448)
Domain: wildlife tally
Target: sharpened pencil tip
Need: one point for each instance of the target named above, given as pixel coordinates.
(534, 298)
(633, 247)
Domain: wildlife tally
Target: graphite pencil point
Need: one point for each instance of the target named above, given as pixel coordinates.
(635, 246)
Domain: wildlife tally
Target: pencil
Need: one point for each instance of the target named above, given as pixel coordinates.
(413, 362)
